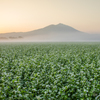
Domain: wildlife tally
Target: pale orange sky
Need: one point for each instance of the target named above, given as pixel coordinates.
(27, 15)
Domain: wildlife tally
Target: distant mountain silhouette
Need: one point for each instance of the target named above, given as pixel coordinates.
(52, 33)
(59, 28)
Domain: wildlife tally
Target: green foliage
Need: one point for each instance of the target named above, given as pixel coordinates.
(49, 71)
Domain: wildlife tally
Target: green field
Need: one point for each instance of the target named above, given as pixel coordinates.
(49, 71)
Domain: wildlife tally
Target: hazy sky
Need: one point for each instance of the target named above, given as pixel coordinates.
(27, 15)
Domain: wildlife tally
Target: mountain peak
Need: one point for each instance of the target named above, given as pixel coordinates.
(63, 25)
(59, 28)
(60, 24)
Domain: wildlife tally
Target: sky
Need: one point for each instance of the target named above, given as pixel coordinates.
(28, 15)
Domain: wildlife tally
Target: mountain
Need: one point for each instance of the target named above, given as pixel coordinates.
(59, 28)
(51, 33)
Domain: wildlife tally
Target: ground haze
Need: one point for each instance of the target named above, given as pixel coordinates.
(51, 33)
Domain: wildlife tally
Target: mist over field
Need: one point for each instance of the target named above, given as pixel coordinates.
(51, 33)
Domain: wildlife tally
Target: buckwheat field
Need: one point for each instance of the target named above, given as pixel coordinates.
(49, 71)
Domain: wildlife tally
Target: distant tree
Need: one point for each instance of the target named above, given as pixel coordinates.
(20, 37)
